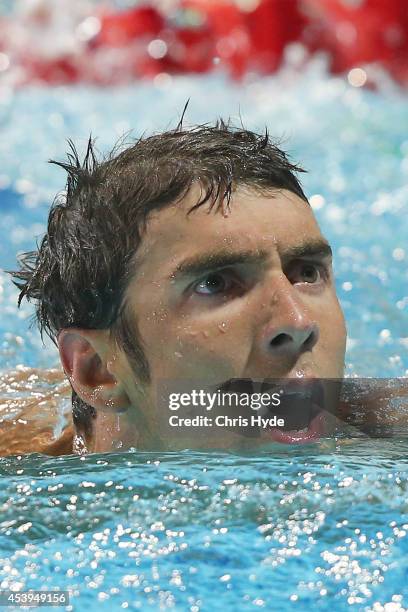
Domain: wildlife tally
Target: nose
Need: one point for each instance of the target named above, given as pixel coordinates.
(291, 330)
(294, 338)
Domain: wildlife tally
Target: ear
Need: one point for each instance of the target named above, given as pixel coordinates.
(87, 361)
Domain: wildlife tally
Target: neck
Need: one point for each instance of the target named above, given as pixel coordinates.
(112, 432)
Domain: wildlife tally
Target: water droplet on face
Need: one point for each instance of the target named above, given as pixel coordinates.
(300, 374)
(117, 444)
(178, 355)
(222, 327)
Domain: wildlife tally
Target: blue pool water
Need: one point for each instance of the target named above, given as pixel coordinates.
(200, 531)
(296, 529)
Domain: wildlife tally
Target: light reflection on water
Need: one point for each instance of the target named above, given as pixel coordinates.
(193, 529)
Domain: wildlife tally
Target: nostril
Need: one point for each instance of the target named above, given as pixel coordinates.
(310, 341)
(280, 340)
(300, 340)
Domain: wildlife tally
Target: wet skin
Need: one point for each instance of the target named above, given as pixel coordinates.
(248, 295)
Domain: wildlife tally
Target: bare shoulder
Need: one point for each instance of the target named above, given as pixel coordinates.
(35, 412)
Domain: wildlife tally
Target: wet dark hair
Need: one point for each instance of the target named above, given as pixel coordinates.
(79, 274)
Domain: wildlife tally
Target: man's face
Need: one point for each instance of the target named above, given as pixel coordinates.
(244, 296)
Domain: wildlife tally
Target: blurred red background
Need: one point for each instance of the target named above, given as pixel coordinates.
(60, 41)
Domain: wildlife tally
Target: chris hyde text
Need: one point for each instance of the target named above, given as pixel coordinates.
(226, 421)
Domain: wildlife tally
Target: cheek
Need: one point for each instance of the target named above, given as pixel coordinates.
(215, 350)
(333, 329)
(340, 323)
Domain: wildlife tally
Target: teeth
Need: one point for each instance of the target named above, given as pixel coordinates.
(304, 430)
(301, 395)
(298, 431)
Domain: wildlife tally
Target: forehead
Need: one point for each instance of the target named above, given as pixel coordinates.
(275, 222)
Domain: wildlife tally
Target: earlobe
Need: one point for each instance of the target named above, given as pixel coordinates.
(83, 355)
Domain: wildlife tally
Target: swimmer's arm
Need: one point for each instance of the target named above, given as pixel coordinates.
(32, 411)
(379, 406)
(22, 376)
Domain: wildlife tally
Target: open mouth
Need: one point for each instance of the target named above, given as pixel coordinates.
(312, 432)
(301, 408)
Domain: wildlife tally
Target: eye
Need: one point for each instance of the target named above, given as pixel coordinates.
(213, 284)
(309, 273)
(306, 272)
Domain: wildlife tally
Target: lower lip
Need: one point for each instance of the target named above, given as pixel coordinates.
(315, 431)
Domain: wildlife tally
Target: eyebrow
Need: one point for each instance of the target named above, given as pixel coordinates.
(199, 264)
(311, 248)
